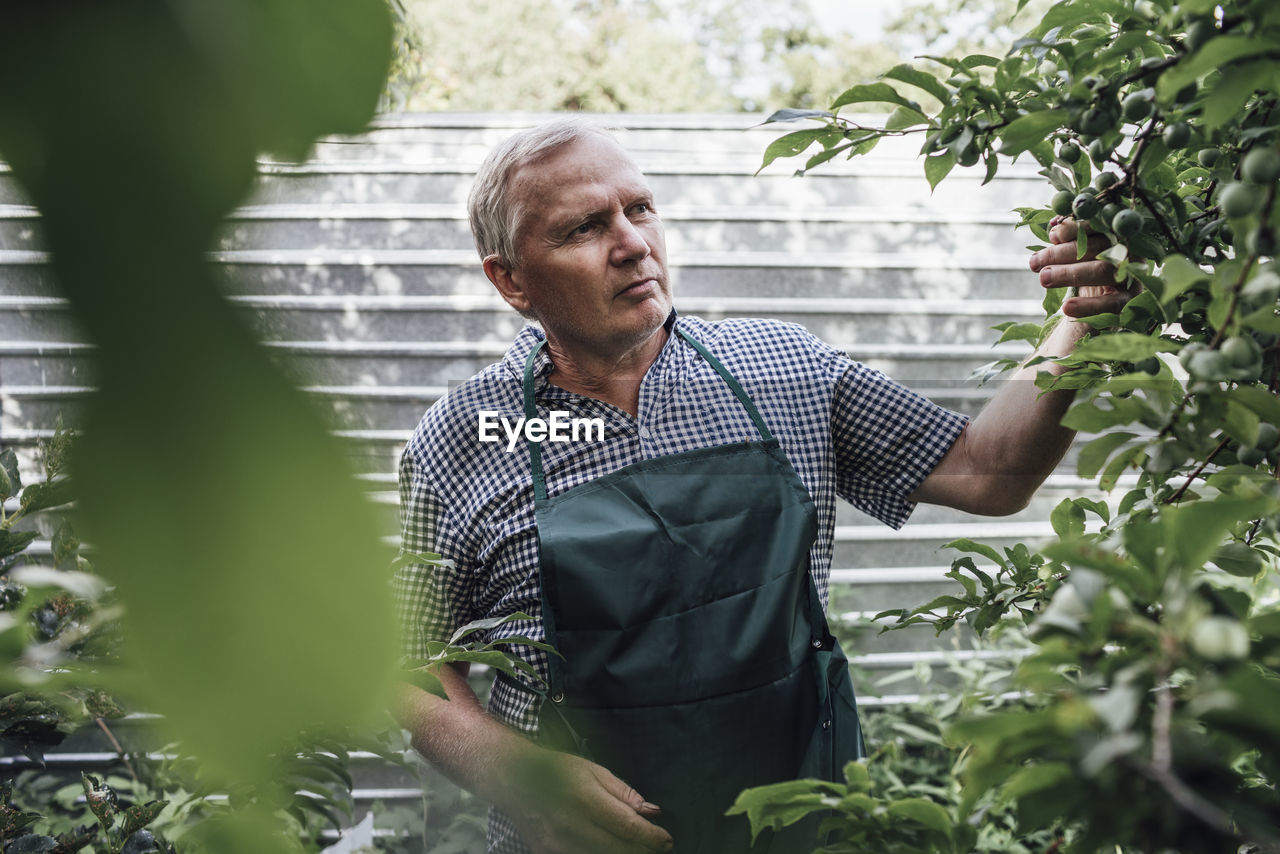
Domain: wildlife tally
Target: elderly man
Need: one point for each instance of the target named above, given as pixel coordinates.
(677, 560)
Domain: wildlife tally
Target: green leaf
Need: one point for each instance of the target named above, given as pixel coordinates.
(9, 462)
(1067, 519)
(1025, 131)
(1119, 347)
(1216, 53)
(1240, 422)
(967, 545)
(12, 542)
(1238, 559)
(922, 811)
(1179, 274)
(872, 93)
(779, 805)
(50, 493)
(80, 584)
(789, 145)
(1260, 400)
(1087, 416)
(921, 80)
(1093, 455)
(139, 816)
(790, 115)
(1198, 529)
(905, 117)
(1013, 331)
(485, 625)
(427, 681)
(1034, 778)
(1228, 96)
(1067, 15)
(937, 167)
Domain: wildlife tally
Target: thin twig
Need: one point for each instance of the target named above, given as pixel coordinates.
(1200, 468)
(120, 751)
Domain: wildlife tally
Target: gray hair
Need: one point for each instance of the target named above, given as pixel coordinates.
(495, 216)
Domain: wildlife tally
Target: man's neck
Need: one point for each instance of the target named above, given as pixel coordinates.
(611, 377)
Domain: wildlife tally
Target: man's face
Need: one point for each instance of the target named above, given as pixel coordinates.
(592, 252)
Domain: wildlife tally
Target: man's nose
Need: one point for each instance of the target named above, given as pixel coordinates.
(630, 243)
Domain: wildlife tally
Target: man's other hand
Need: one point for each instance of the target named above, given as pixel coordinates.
(564, 804)
(1096, 289)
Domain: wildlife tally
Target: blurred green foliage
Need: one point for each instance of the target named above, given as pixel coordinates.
(1148, 717)
(217, 502)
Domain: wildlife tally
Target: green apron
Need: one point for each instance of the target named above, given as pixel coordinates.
(695, 656)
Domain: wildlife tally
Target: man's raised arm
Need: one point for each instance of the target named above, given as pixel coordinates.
(1006, 452)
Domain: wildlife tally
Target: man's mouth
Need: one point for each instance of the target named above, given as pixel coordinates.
(638, 287)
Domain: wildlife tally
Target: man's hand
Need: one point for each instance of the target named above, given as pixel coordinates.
(1094, 280)
(563, 804)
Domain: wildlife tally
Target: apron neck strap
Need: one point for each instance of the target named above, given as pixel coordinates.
(743, 397)
(531, 412)
(531, 407)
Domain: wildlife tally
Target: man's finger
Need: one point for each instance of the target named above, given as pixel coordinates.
(1065, 253)
(1078, 274)
(633, 826)
(1086, 306)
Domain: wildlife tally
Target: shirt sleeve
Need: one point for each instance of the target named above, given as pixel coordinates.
(887, 439)
(431, 601)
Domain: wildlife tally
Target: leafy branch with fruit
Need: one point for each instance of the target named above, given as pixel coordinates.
(1145, 718)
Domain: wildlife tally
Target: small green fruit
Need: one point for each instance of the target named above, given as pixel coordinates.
(1061, 203)
(1138, 105)
(1209, 365)
(1238, 200)
(1261, 165)
(1268, 436)
(1103, 180)
(1219, 638)
(1250, 456)
(1099, 152)
(1149, 365)
(1207, 157)
(968, 157)
(1096, 121)
(1242, 350)
(1189, 351)
(1069, 152)
(1127, 223)
(1177, 136)
(1084, 206)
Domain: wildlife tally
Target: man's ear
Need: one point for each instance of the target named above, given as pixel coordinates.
(502, 275)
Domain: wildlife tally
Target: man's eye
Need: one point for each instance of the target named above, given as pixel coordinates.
(584, 228)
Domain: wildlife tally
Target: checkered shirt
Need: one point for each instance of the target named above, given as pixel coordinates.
(846, 429)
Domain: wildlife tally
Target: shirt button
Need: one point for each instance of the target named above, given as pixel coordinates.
(645, 432)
